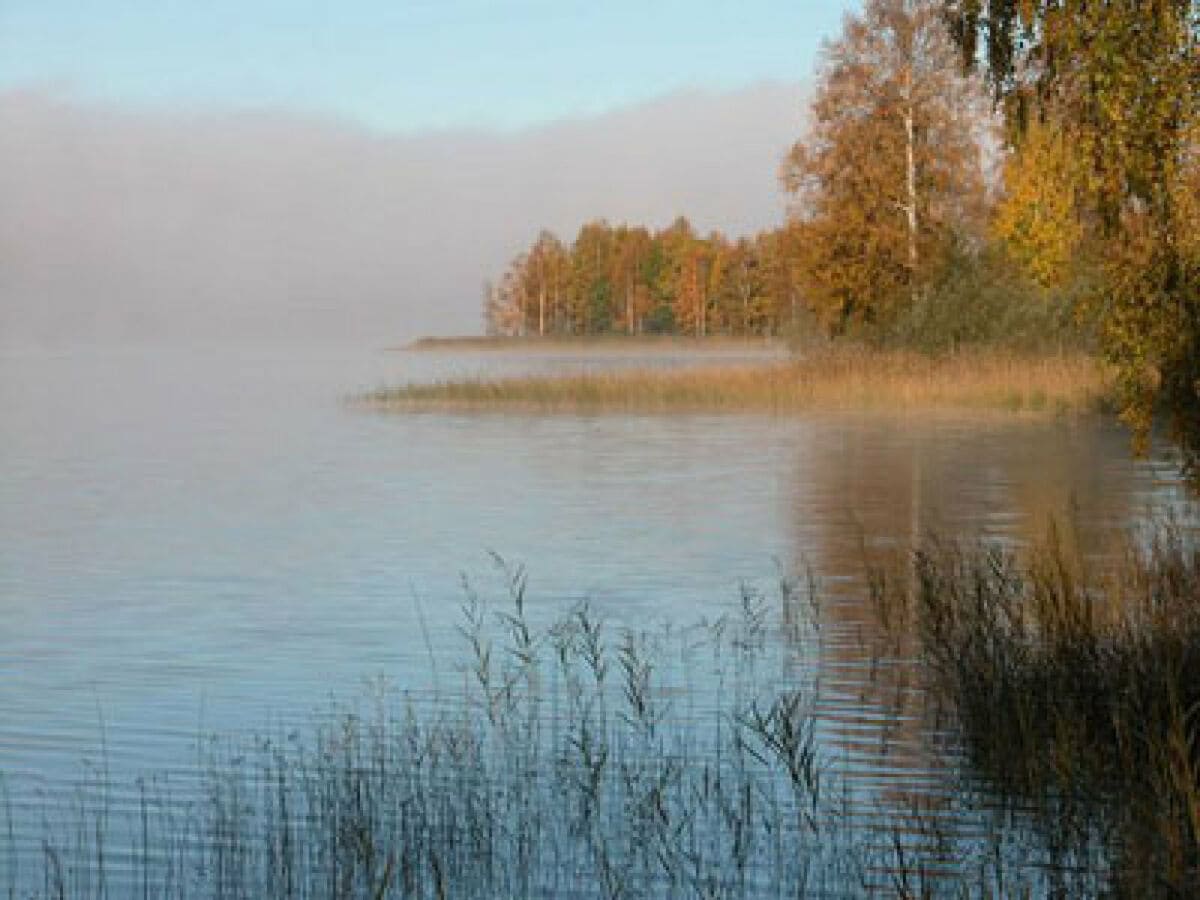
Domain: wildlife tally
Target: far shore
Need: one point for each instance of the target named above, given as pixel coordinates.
(607, 343)
(830, 379)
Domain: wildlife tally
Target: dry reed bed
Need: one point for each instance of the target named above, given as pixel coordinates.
(834, 380)
(1076, 690)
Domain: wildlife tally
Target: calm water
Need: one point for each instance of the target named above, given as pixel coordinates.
(211, 540)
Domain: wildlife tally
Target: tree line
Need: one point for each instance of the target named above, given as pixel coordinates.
(629, 280)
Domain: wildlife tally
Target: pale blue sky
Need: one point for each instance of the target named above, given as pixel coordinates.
(407, 65)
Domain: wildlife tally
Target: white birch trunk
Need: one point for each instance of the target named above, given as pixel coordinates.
(911, 184)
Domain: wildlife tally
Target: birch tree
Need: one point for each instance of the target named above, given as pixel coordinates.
(892, 164)
(543, 275)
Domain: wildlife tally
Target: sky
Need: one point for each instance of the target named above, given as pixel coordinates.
(407, 65)
(288, 169)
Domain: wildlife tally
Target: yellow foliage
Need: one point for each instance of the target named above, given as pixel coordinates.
(1038, 219)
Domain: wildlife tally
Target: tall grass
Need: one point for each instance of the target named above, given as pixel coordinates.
(574, 761)
(1077, 693)
(841, 378)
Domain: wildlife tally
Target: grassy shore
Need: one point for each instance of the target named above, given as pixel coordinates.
(839, 379)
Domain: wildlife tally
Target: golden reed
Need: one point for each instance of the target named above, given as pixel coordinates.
(840, 379)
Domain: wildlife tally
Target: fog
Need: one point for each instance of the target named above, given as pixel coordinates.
(151, 224)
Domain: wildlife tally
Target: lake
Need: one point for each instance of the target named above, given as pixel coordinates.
(210, 540)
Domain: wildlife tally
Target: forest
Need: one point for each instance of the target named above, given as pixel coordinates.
(629, 280)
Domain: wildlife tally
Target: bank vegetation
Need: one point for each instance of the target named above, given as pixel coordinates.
(838, 378)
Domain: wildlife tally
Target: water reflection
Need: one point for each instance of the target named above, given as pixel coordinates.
(867, 490)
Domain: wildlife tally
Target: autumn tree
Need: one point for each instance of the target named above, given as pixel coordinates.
(503, 311)
(744, 284)
(591, 279)
(891, 163)
(1040, 219)
(543, 277)
(680, 279)
(494, 323)
(656, 282)
(1119, 81)
(777, 251)
(631, 246)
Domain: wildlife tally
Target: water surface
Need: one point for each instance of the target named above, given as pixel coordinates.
(198, 540)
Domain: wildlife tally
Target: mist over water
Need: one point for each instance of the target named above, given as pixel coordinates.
(123, 224)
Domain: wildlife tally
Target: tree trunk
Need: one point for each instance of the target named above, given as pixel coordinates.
(556, 313)
(541, 292)
(910, 172)
(629, 305)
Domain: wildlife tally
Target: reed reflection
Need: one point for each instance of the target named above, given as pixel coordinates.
(864, 498)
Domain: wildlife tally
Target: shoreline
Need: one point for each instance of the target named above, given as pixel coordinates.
(623, 342)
